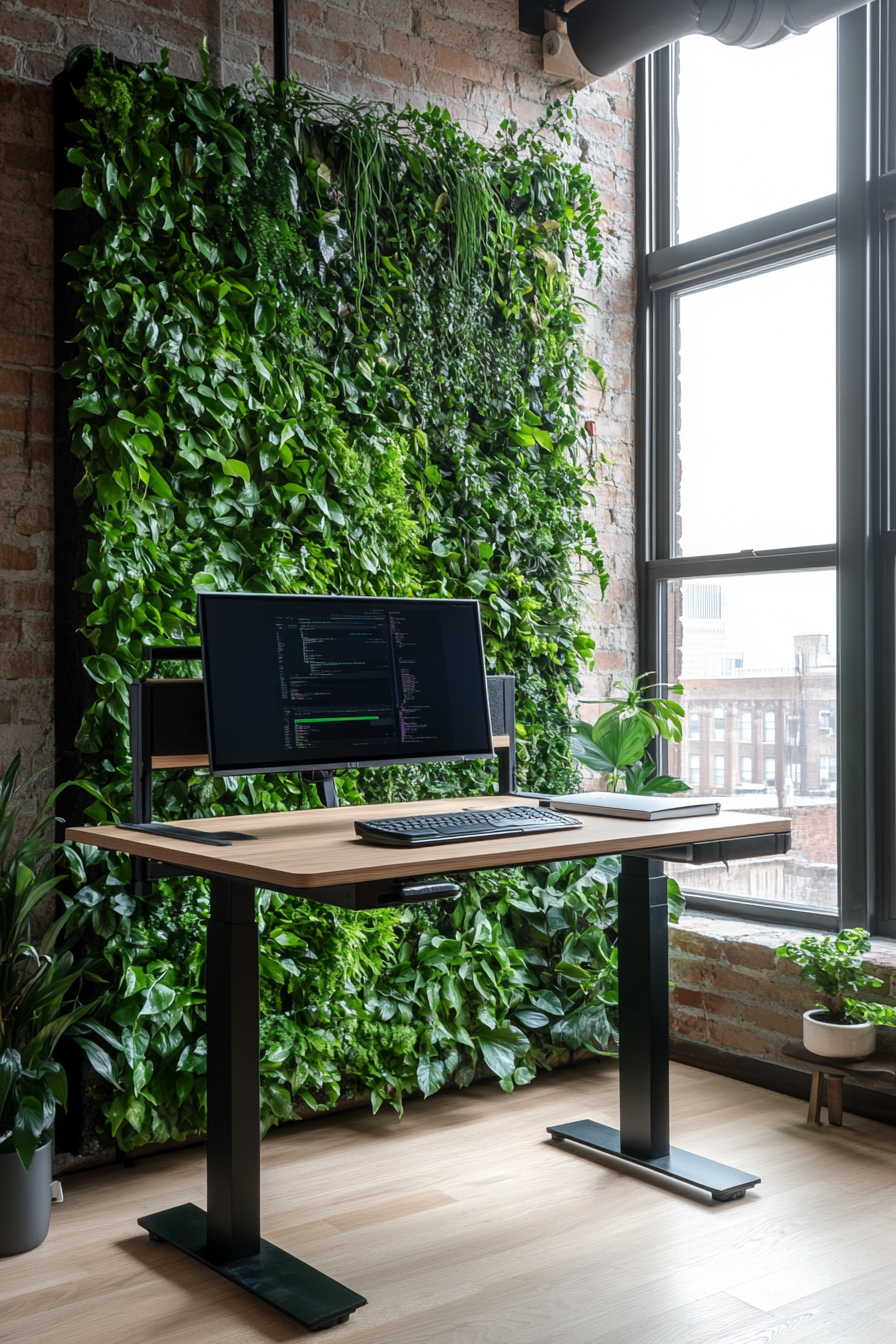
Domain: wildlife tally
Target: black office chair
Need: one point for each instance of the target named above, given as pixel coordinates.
(167, 732)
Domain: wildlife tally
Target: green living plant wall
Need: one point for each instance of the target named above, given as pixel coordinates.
(331, 348)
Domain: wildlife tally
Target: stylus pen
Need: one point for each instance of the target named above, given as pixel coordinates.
(184, 832)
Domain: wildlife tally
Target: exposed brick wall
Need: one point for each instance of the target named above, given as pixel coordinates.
(467, 55)
(733, 994)
(26, 412)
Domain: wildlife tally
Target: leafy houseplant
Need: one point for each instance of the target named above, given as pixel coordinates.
(842, 1027)
(35, 989)
(615, 746)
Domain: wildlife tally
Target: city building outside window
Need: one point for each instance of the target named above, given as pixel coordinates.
(694, 769)
(718, 725)
(694, 725)
(746, 726)
(768, 770)
(827, 770)
(746, 769)
(768, 726)
(718, 771)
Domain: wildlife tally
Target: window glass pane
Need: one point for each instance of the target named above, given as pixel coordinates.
(754, 459)
(767, 655)
(756, 129)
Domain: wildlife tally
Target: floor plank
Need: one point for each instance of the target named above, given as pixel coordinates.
(464, 1224)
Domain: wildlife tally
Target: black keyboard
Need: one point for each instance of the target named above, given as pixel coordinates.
(444, 828)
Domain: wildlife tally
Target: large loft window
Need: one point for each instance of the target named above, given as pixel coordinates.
(756, 130)
(768, 559)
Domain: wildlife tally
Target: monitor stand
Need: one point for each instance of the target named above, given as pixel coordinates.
(325, 783)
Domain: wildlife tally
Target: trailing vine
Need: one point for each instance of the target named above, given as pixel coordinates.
(327, 347)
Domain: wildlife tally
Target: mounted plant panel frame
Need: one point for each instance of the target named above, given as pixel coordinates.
(323, 347)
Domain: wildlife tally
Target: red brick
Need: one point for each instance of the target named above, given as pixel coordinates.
(17, 557)
(719, 1005)
(32, 596)
(737, 1038)
(32, 519)
(734, 981)
(324, 49)
(350, 28)
(688, 1025)
(62, 8)
(750, 954)
(694, 944)
(380, 65)
(10, 631)
(788, 1024)
(15, 383)
(28, 28)
(690, 998)
(27, 158)
(25, 664)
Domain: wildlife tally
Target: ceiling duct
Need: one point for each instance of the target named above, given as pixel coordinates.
(607, 34)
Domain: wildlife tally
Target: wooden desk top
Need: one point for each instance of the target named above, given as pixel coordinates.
(317, 847)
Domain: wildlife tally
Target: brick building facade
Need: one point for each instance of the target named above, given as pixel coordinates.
(465, 55)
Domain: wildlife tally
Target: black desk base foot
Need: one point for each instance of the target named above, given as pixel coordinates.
(723, 1183)
(297, 1289)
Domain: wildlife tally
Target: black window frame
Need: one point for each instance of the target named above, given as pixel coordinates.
(857, 222)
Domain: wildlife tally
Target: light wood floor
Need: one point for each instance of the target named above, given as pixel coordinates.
(466, 1224)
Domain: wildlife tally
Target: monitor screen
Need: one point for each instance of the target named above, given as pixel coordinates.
(309, 683)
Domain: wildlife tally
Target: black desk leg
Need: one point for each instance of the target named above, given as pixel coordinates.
(228, 1238)
(643, 1135)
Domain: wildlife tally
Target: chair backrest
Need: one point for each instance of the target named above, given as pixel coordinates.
(167, 728)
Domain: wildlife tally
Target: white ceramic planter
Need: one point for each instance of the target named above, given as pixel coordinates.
(838, 1040)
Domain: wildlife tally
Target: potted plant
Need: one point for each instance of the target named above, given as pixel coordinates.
(35, 1009)
(841, 1027)
(615, 746)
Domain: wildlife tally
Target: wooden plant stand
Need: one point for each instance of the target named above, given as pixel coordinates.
(877, 1071)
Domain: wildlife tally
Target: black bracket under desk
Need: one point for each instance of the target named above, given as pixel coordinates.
(642, 1138)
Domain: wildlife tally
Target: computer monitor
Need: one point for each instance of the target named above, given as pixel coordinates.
(325, 683)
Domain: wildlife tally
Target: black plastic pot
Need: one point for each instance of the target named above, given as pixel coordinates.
(25, 1200)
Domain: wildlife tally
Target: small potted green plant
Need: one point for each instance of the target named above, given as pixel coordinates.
(36, 980)
(842, 1027)
(615, 746)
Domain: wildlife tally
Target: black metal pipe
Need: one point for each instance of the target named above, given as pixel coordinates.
(608, 34)
(281, 40)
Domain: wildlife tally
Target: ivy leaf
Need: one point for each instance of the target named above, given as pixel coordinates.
(108, 491)
(501, 1046)
(233, 467)
(331, 510)
(103, 668)
(69, 198)
(159, 485)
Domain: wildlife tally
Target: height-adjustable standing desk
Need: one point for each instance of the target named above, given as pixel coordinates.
(316, 855)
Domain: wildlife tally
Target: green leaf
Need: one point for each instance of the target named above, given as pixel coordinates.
(10, 1068)
(108, 491)
(233, 467)
(501, 1046)
(98, 1058)
(159, 485)
(69, 198)
(28, 1129)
